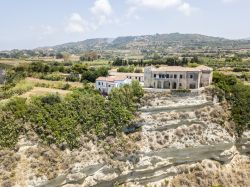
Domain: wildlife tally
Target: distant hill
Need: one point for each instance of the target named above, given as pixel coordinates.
(158, 42)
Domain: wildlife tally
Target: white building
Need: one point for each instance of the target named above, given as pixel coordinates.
(177, 77)
(106, 84)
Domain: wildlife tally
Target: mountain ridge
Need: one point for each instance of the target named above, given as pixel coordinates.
(158, 42)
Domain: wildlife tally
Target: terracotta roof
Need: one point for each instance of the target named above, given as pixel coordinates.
(182, 69)
(112, 78)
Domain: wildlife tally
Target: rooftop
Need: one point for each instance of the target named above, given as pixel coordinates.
(113, 73)
(112, 78)
(182, 69)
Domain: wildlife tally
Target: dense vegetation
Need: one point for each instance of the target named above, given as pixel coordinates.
(62, 121)
(52, 71)
(238, 95)
(170, 61)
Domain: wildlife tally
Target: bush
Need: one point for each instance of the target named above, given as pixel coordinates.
(53, 77)
(73, 78)
(66, 86)
(181, 91)
(128, 69)
(238, 95)
(240, 70)
(12, 117)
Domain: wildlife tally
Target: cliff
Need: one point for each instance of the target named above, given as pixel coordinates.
(182, 141)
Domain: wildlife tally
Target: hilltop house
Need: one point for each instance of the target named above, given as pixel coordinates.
(177, 77)
(106, 84)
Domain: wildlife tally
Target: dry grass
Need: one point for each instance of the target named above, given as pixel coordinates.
(53, 84)
(13, 62)
(247, 83)
(37, 91)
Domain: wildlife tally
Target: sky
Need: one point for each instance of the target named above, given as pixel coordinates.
(27, 24)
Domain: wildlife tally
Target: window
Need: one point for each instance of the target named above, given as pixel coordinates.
(191, 76)
(175, 76)
(99, 83)
(160, 76)
(167, 76)
(180, 76)
(180, 85)
(154, 75)
(192, 86)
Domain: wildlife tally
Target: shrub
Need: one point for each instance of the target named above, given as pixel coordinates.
(73, 78)
(12, 117)
(240, 70)
(126, 69)
(53, 77)
(238, 95)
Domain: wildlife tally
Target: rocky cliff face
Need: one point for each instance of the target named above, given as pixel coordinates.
(184, 141)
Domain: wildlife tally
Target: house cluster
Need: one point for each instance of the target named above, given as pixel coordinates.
(164, 77)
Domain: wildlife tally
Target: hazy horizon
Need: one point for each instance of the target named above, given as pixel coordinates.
(29, 24)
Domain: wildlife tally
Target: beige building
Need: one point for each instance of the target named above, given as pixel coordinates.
(177, 77)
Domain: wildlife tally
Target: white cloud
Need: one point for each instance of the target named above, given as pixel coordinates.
(158, 4)
(102, 11)
(76, 24)
(180, 5)
(76, 17)
(185, 8)
(102, 7)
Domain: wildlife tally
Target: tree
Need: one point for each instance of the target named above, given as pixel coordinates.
(137, 90)
(82, 58)
(59, 56)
